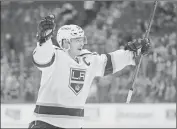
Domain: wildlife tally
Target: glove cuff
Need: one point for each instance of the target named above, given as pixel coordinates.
(42, 40)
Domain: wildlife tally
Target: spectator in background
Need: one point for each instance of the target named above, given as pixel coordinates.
(68, 13)
(163, 33)
(90, 12)
(9, 46)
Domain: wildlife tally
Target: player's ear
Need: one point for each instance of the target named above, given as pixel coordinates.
(65, 43)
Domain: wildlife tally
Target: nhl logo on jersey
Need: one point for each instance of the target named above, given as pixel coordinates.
(77, 77)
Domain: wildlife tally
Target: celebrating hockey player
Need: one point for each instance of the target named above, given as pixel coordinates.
(68, 72)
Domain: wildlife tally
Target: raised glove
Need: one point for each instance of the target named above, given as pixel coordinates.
(138, 44)
(146, 46)
(45, 29)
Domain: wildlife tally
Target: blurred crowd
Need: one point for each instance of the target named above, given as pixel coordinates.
(108, 26)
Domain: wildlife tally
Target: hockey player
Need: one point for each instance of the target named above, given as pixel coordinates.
(68, 72)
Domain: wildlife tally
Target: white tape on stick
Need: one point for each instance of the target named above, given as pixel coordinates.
(130, 92)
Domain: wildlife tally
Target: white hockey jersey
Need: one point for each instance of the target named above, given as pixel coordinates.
(65, 83)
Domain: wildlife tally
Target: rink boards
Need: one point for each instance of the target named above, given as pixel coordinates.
(101, 115)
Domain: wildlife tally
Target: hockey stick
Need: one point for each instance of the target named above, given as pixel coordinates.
(137, 68)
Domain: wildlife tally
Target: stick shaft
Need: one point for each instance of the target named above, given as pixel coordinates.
(151, 20)
(138, 66)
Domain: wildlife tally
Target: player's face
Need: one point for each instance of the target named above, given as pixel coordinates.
(77, 44)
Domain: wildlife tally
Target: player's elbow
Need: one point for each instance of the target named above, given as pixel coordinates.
(44, 59)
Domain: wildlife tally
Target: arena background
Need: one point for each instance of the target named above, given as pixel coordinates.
(108, 25)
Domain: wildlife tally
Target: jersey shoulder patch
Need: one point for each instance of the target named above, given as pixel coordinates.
(87, 56)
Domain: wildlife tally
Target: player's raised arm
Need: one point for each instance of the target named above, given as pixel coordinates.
(43, 55)
(117, 60)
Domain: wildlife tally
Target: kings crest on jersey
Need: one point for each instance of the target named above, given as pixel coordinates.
(77, 76)
(76, 81)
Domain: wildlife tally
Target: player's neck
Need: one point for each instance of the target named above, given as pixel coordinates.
(72, 54)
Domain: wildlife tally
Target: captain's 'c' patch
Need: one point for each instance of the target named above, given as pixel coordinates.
(76, 81)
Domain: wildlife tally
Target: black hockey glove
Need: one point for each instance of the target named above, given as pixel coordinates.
(45, 29)
(146, 46)
(137, 44)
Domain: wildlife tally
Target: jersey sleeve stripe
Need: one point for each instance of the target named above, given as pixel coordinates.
(109, 65)
(51, 110)
(44, 65)
(94, 53)
(85, 54)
